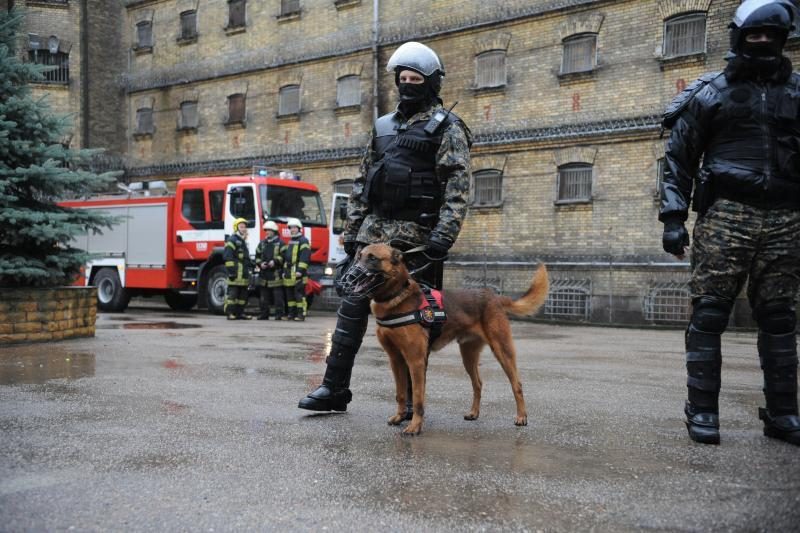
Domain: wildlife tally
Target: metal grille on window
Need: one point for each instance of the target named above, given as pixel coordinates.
(144, 35)
(579, 54)
(290, 6)
(490, 69)
(59, 60)
(483, 282)
(188, 115)
(343, 186)
(348, 91)
(289, 100)
(236, 109)
(488, 187)
(569, 299)
(188, 25)
(575, 182)
(236, 13)
(144, 120)
(667, 301)
(685, 35)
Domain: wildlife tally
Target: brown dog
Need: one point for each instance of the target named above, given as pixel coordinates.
(474, 318)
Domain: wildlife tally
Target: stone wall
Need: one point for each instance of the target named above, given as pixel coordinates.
(32, 314)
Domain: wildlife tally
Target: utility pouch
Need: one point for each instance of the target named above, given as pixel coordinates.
(373, 185)
(396, 183)
(703, 193)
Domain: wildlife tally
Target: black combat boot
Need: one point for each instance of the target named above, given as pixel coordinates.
(334, 393)
(703, 365)
(778, 355)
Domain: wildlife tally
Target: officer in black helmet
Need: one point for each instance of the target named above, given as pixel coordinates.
(744, 124)
(413, 192)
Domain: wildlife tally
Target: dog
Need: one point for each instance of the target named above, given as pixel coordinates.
(474, 318)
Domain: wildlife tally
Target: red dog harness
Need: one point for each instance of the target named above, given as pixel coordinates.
(429, 314)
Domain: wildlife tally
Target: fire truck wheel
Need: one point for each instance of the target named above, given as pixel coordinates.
(111, 295)
(180, 302)
(216, 287)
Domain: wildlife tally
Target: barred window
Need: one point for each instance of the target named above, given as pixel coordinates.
(144, 34)
(348, 91)
(289, 7)
(569, 299)
(236, 13)
(685, 34)
(575, 182)
(188, 118)
(579, 54)
(188, 25)
(343, 186)
(487, 187)
(59, 60)
(667, 301)
(144, 120)
(236, 109)
(289, 100)
(490, 69)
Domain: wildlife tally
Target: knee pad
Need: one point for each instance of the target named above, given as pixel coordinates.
(776, 318)
(710, 314)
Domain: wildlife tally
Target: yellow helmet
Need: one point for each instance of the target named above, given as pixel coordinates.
(237, 222)
(269, 224)
(294, 222)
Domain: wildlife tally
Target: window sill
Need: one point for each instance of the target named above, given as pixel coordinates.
(344, 4)
(187, 130)
(487, 208)
(50, 84)
(233, 30)
(238, 125)
(289, 117)
(488, 91)
(680, 61)
(64, 4)
(347, 109)
(580, 75)
(183, 41)
(140, 50)
(288, 17)
(142, 136)
(575, 202)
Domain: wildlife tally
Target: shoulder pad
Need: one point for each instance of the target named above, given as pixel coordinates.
(676, 107)
(386, 125)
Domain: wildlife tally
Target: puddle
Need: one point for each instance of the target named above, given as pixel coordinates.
(149, 325)
(36, 365)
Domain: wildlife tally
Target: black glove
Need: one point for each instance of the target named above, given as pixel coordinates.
(350, 247)
(675, 237)
(436, 249)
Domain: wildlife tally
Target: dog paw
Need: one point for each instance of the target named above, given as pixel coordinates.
(521, 421)
(471, 416)
(412, 431)
(396, 419)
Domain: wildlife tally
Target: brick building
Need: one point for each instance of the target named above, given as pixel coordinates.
(563, 97)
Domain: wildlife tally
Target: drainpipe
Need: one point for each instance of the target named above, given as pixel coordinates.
(375, 73)
(84, 37)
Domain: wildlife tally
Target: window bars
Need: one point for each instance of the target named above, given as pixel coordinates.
(289, 100)
(667, 302)
(490, 69)
(569, 299)
(579, 54)
(59, 60)
(487, 187)
(575, 182)
(188, 25)
(685, 35)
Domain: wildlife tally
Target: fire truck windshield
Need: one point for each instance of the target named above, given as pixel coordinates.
(280, 203)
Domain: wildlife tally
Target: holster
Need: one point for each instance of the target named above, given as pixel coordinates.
(703, 192)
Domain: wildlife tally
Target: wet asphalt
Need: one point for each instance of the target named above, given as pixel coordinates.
(168, 421)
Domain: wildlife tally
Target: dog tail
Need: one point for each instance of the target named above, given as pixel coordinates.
(533, 299)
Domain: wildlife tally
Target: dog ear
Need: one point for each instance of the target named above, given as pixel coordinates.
(397, 256)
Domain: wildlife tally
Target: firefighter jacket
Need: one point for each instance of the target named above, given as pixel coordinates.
(747, 133)
(413, 184)
(237, 260)
(296, 256)
(268, 250)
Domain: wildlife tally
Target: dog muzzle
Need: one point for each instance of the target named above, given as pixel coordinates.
(359, 282)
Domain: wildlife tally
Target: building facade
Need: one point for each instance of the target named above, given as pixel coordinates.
(563, 96)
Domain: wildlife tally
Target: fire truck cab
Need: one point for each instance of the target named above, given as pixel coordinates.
(172, 244)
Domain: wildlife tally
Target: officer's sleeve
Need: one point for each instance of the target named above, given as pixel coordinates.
(356, 209)
(453, 168)
(303, 257)
(685, 146)
(229, 256)
(259, 253)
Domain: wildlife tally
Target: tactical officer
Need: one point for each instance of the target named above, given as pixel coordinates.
(743, 123)
(412, 192)
(238, 265)
(296, 255)
(270, 284)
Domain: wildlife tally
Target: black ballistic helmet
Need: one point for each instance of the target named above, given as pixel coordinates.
(776, 15)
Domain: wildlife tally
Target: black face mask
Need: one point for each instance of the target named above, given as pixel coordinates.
(413, 92)
(762, 51)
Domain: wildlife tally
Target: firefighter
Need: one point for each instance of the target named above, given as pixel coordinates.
(413, 188)
(270, 284)
(296, 256)
(743, 125)
(239, 266)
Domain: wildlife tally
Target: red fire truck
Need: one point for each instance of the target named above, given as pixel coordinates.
(171, 244)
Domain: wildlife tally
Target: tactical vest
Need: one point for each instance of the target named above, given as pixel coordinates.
(401, 183)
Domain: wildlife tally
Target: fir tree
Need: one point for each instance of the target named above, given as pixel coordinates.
(36, 171)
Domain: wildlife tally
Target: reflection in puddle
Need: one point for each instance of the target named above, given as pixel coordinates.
(149, 325)
(37, 365)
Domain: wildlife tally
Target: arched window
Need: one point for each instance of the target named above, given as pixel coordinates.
(685, 34)
(348, 91)
(487, 188)
(144, 121)
(579, 54)
(575, 182)
(144, 34)
(490, 69)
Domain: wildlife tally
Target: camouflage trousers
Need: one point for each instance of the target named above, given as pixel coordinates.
(735, 243)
